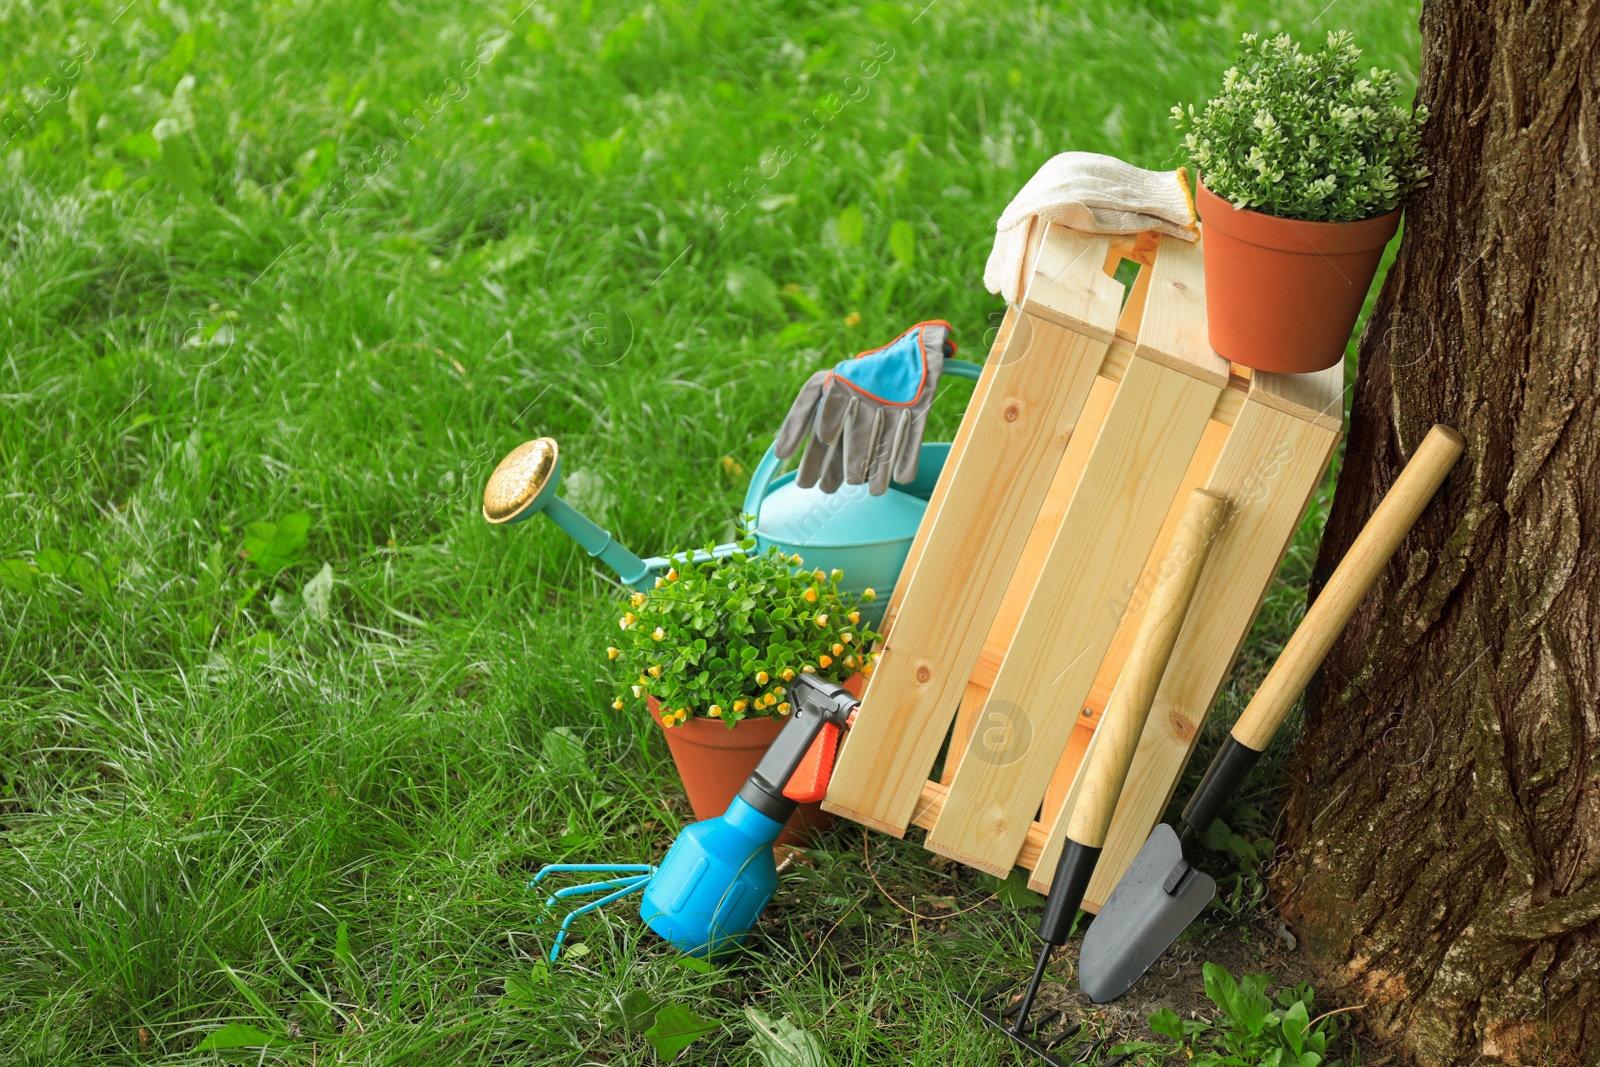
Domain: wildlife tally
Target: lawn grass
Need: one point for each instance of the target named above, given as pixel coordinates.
(284, 258)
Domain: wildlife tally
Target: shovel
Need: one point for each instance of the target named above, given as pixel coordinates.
(1103, 775)
(1161, 893)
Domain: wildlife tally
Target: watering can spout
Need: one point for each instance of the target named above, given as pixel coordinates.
(524, 484)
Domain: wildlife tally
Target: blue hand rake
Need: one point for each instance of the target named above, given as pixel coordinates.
(639, 875)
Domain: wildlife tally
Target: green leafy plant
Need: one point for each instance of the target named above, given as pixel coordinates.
(1252, 1030)
(1306, 135)
(722, 637)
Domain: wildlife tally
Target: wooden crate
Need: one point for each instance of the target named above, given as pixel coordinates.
(1093, 419)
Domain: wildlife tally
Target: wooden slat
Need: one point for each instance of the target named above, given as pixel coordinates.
(958, 445)
(1040, 383)
(1316, 398)
(1141, 452)
(1173, 330)
(1268, 470)
(1112, 369)
(1105, 679)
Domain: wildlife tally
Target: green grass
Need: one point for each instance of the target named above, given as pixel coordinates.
(237, 286)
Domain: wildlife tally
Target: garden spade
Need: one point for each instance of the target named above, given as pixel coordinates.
(1161, 893)
(1104, 772)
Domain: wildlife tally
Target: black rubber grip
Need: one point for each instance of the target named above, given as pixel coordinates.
(1073, 870)
(1229, 767)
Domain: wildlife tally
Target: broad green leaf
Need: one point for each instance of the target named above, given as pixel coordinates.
(1310, 1059)
(341, 946)
(562, 750)
(1013, 889)
(1166, 1022)
(17, 574)
(1216, 836)
(1222, 990)
(696, 964)
(752, 290)
(522, 990)
(675, 1029)
(848, 226)
(237, 1035)
(780, 1043)
(1294, 1024)
(636, 1011)
(317, 593)
(903, 244)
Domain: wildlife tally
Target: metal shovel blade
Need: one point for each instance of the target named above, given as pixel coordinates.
(1141, 919)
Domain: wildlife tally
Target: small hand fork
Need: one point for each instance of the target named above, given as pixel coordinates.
(638, 875)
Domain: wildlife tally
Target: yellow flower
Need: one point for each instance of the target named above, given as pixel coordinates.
(637, 600)
(659, 583)
(819, 575)
(853, 319)
(762, 677)
(732, 467)
(672, 574)
(795, 559)
(779, 690)
(866, 670)
(822, 620)
(741, 704)
(837, 649)
(658, 633)
(810, 594)
(847, 638)
(654, 670)
(715, 711)
(837, 574)
(783, 709)
(612, 652)
(868, 595)
(808, 669)
(617, 703)
(626, 621)
(849, 661)
(787, 674)
(825, 660)
(854, 616)
(638, 690)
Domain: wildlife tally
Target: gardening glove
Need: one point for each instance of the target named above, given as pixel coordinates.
(1093, 193)
(866, 415)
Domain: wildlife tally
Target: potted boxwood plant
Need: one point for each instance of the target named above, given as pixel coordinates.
(1303, 159)
(711, 650)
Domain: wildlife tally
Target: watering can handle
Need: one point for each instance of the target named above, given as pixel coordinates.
(768, 467)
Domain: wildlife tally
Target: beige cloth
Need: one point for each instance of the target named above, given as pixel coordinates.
(1094, 193)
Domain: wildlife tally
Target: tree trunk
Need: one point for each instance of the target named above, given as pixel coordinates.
(1444, 808)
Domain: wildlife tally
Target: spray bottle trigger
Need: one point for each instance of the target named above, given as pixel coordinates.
(809, 783)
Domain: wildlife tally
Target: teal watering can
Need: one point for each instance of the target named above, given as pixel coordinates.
(867, 537)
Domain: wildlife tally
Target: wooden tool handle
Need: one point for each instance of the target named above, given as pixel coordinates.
(1351, 580)
(1117, 736)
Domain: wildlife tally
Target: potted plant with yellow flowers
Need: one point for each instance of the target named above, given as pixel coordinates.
(710, 652)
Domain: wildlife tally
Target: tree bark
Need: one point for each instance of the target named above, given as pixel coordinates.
(1443, 824)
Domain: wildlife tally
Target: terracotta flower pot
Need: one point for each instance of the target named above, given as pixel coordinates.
(1282, 294)
(714, 762)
